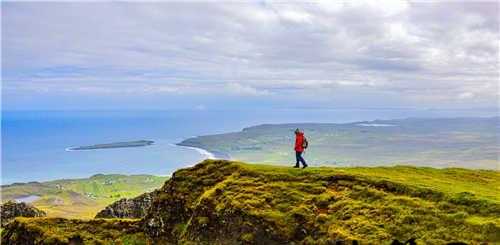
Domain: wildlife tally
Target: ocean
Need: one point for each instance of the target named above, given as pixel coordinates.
(34, 143)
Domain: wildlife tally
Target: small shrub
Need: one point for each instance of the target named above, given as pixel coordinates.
(458, 216)
(202, 220)
(247, 237)
(322, 218)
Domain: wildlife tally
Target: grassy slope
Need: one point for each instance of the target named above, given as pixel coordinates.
(83, 198)
(318, 205)
(366, 204)
(469, 143)
(63, 231)
(461, 186)
(484, 184)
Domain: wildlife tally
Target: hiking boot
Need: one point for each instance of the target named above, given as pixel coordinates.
(296, 166)
(305, 166)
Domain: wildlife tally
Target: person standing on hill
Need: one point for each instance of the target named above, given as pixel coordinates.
(300, 145)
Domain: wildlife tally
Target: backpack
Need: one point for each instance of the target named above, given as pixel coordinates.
(305, 144)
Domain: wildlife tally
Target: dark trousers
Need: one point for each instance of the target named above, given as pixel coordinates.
(298, 156)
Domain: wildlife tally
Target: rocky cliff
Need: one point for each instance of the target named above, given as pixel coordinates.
(134, 208)
(10, 210)
(224, 202)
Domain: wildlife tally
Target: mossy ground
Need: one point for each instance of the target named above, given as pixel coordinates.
(222, 202)
(378, 203)
(318, 205)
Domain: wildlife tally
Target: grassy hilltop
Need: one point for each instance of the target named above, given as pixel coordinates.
(82, 198)
(224, 202)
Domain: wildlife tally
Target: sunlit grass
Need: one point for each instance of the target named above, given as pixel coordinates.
(83, 198)
(238, 202)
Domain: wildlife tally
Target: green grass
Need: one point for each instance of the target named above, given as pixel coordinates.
(484, 184)
(82, 198)
(320, 205)
(64, 231)
(224, 202)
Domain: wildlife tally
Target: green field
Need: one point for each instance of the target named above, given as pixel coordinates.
(82, 198)
(454, 142)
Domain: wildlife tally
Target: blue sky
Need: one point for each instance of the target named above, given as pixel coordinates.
(118, 55)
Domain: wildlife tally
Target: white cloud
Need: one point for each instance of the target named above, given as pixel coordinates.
(466, 95)
(295, 16)
(437, 52)
(240, 89)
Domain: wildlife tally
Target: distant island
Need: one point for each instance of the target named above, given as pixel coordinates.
(137, 143)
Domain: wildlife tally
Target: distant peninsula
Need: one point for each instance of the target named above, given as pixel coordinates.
(431, 142)
(137, 143)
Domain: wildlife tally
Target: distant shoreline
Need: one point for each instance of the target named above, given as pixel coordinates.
(463, 142)
(205, 152)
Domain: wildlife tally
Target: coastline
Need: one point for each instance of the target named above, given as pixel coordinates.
(201, 151)
(205, 152)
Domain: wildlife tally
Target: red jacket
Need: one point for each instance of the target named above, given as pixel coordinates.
(299, 142)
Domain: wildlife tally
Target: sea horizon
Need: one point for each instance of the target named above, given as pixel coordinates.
(37, 139)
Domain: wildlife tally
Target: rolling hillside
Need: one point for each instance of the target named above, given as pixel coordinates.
(81, 198)
(224, 202)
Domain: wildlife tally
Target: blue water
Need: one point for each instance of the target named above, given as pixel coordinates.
(34, 142)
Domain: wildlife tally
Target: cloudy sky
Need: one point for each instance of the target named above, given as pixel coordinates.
(250, 55)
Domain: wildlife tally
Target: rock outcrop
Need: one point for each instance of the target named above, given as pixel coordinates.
(134, 208)
(11, 210)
